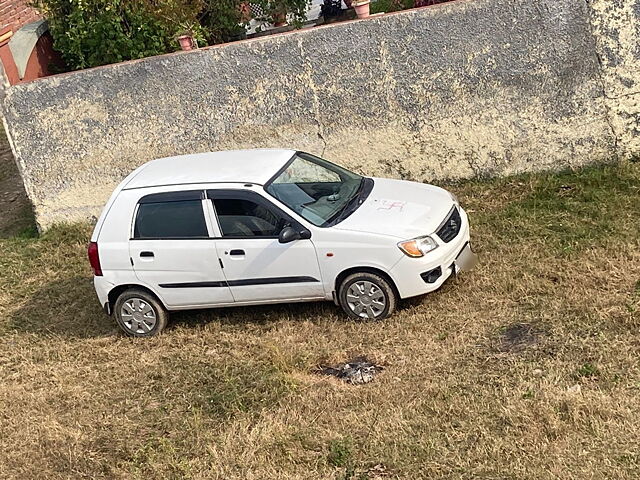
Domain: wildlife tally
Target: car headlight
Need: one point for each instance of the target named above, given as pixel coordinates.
(418, 247)
(455, 199)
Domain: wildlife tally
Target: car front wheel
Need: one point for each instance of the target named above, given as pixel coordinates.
(367, 296)
(140, 314)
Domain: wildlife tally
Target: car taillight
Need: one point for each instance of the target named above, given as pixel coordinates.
(94, 259)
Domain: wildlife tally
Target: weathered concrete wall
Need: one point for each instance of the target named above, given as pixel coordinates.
(616, 27)
(474, 87)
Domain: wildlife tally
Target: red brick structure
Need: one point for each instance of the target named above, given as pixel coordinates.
(16, 13)
(26, 47)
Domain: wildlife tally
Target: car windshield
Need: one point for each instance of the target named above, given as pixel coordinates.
(315, 189)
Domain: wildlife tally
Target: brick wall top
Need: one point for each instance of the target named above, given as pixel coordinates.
(16, 13)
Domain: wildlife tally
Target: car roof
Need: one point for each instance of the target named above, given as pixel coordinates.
(255, 166)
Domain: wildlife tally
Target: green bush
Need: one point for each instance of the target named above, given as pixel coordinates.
(222, 20)
(386, 6)
(277, 10)
(89, 33)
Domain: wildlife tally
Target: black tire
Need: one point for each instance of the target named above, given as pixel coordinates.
(378, 288)
(126, 302)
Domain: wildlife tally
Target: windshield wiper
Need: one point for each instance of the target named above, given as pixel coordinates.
(354, 202)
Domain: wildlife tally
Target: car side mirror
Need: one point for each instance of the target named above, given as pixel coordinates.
(288, 234)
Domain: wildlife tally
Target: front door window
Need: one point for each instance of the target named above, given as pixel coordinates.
(240, 218)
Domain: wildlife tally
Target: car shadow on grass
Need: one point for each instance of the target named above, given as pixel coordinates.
(262, 316)
(316, 312)
(265, 316)
(66, 307)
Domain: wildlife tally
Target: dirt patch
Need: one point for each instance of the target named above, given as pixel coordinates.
(518, 337)
(16, 212)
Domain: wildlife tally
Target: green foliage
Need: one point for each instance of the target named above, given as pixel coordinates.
(378, 6)
(340, 453)
(386, 6)
(28, 232)
(223, 20)
(588, 370)
(89, 33)
(277, 10)
(570, 211)
(528, 395)
(67, 234)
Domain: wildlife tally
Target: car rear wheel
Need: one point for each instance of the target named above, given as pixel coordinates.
(367, 296)
(140, 314)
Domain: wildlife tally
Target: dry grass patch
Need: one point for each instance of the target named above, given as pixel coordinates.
(525, 368)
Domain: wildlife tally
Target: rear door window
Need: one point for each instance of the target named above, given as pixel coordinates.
(170, 219)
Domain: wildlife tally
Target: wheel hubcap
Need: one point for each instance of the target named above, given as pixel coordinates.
(366, 299)
(138, 316)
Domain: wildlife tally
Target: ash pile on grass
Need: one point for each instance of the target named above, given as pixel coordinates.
(356, 372)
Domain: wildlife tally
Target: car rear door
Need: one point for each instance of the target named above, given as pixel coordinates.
(257, 267)
(173, 252)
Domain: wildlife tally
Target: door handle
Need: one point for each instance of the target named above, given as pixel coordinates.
(236, 252)
(146, 254)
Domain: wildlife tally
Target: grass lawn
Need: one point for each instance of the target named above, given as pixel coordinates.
(526, 368)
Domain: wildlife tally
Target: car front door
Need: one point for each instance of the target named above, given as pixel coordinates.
(173, 252)
(259, 268)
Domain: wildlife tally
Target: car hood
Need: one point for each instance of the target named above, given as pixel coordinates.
(400, 209)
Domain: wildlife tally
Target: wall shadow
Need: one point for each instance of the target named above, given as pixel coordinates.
(16, 211)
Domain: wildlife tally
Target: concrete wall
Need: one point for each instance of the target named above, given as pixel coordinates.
(474, 87)
(616, 27)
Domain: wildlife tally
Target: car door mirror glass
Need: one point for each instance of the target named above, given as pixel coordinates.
(305, 234)
(288, 234)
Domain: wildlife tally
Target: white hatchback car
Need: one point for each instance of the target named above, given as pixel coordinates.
(254, 227)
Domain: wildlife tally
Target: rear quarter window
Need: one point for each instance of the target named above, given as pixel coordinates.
(167, 220)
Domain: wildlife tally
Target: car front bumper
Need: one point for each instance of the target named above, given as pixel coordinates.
(417, 276)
